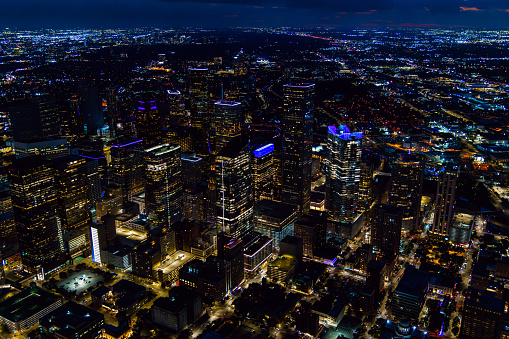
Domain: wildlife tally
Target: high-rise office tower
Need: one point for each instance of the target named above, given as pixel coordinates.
(386, 230)
(34, 202)
(263, 172)
(34, 118)
(444, 201)
(297, 128)
(228, 116)
(311, 228)
(148, 122)
(406, 190)
(73, 192)
(191, 169)
(366, 186)
(231, 251)
(234, 193)
(163, 185)
(343, 172)
(200, 112)
(177, 109)
(90, 107)
(482, 316)
(128, 168)
(71, 125)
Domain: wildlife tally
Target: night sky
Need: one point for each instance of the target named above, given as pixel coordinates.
(20, 14)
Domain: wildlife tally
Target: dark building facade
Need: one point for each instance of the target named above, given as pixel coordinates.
(386, 230)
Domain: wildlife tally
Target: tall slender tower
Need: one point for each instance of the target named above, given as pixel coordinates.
(343, 172)
(297, 127)
(444, 201)
(34, 201)
(234, 192)
(228, 116)
(200, 113)
(406, 190)
(163, 185)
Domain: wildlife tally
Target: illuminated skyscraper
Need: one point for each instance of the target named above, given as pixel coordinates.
(127, 167)
(406, 190)
(163, 186)
(34, 202)
(483, 315)
(263, 172)
(444, 201)
(234, 206)
(343, 172)
(148, 122)
(177, 109)
(228, 116)
(297, 128)
(73, 192)
(200, 112)
(386, 230)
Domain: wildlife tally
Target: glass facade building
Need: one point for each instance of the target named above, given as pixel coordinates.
(343, 172)
(163, 185)
(297, 128)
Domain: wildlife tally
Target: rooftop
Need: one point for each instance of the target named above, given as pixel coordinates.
(284, 263)
(70, 318)
(413, 282)
(26, 304)
(275, 209)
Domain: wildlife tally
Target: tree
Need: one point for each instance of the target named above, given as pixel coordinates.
(455, 330)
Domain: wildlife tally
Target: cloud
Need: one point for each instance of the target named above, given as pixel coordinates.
(474, 9)
(332, 5)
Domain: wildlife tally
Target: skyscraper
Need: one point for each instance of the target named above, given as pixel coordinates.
(163, 186)
(343, 172)
(263, 172)
(90, 106)
(297, 128)
(148, 122)
(386, 230)
(234, 197)
(444, 201)
(127, 167)
(406, 190)
(482, 316)
(200, 113)
(73, 192)
(177, 109)
(228, 116)
(34, 118)
(34, 202)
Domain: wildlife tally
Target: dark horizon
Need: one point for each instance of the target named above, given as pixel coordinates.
(95, 14)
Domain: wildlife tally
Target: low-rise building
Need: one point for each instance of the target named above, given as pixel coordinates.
(24, 310)
(71, 321)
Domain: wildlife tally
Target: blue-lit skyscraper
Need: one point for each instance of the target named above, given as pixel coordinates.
(263, 172)
(343, 172)
(297, 128)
